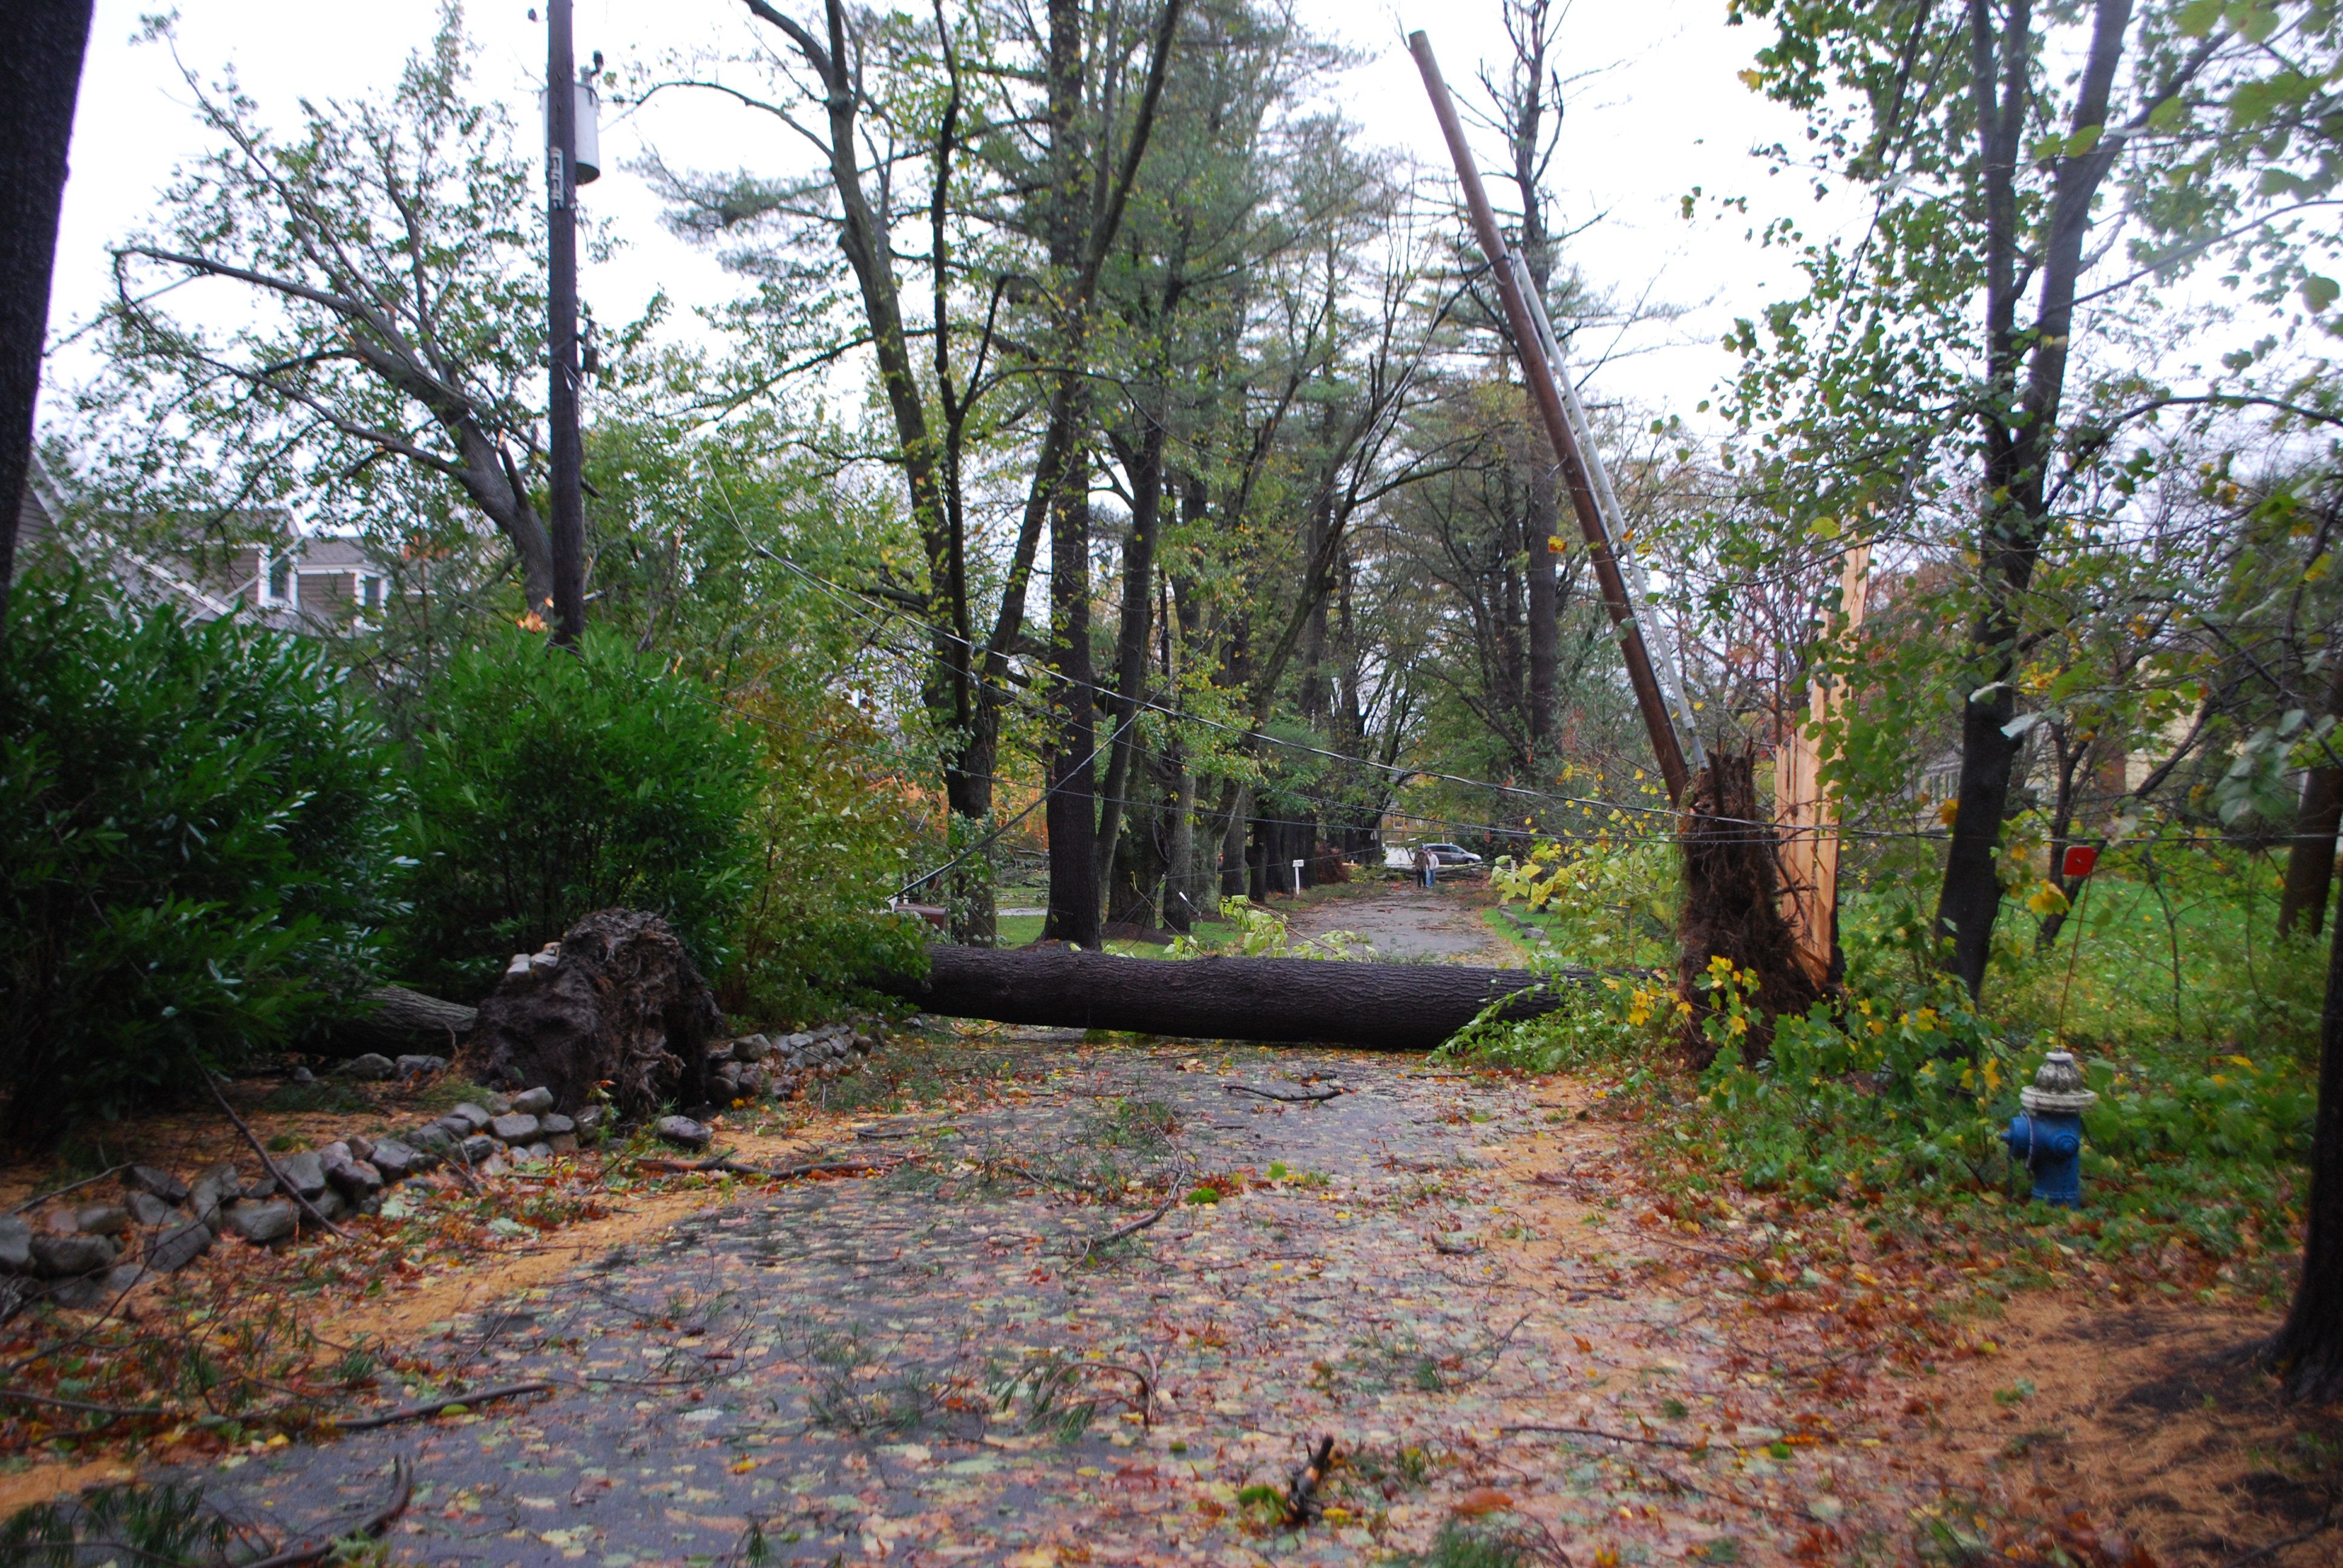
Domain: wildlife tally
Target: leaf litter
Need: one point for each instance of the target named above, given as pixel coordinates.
(1416, 1321)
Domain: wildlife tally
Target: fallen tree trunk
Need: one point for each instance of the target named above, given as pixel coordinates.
(398, 1020)
(1379, 1007)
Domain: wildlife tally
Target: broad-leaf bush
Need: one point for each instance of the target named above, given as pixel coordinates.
(198, 831)
(1893, 1095)
(549, 784)
(815, 930)
(1259, 933)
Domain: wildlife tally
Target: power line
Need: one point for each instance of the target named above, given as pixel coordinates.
(871, 608)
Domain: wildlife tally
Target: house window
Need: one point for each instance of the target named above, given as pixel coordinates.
(373, 594)
(280, 580)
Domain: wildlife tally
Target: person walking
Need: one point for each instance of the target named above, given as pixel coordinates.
(1424, 865)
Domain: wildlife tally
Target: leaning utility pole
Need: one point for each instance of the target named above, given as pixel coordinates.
(568, 447)
(1659, 692)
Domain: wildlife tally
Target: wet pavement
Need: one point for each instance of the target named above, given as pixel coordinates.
(1409, 923)
(924, 1366)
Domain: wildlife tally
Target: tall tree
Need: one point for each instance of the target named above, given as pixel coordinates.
(1045, 215)
(1530, 97)
(40, 77)
(1968, 100)
(400, 278)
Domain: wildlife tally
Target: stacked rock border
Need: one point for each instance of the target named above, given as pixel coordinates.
(88, 1255)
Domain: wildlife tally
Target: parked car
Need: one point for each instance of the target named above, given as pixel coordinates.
(1453, 855)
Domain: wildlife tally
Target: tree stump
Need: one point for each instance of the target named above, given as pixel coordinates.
(617, 1002)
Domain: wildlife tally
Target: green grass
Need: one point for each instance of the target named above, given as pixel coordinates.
(1018, 930)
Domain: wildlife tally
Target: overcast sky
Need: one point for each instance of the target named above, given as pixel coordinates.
(1661, 114)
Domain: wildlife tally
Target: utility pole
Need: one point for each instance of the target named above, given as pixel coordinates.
(569, 452)
(1667, 719)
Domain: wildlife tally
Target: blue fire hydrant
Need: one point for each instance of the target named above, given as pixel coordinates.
(2048, 1136)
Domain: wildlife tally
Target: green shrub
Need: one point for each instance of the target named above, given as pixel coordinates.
(548, 785)
(1893, 1095)
(196, 849)
(815, 930)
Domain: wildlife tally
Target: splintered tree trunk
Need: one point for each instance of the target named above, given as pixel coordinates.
(1379, 1007)
(40, 77)
(623, 1005)
(2308, 1353)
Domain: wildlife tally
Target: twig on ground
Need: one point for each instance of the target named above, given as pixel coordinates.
(727, 1167)
(462, 1166)
(1302, 1505)
(1739, 1259)
(1146, 1387)
(273, 1414)
(431, 1407)
(1281, 1099)
(69, 1187)
(1183, 1166)
(1091, 1245)
(2259, 1553)
(266, 1163)
(402, 1487)
(1681, 1485)
(120, 1413)
(1676, 1444)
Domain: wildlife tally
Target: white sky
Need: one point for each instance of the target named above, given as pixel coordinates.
(1665, 115)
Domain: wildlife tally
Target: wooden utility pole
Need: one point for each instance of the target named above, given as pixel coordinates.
(567, 447)
(1667, 721)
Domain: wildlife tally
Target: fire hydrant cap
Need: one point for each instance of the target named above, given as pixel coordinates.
(2057, 1087)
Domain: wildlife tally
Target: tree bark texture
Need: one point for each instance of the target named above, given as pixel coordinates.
(2307, 1352)
(2311, 859)
(1733, 905)
(624, 1005)
(2027, 370)
(1377, 1007)
(401, 1020)
(40, 77)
